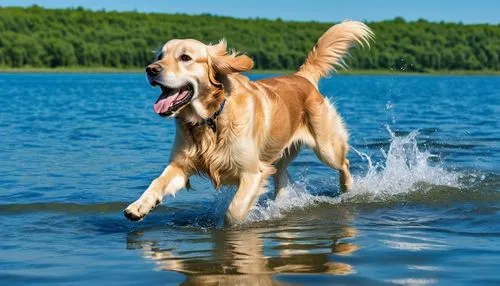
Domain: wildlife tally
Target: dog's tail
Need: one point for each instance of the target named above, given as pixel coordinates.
(331, 48)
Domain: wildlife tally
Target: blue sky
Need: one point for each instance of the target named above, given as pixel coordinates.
(467, 11)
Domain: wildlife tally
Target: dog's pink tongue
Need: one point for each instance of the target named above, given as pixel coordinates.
(163, 103)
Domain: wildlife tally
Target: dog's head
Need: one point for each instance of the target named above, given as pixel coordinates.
(191, 73)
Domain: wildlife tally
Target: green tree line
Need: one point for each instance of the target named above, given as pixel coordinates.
(38, 37)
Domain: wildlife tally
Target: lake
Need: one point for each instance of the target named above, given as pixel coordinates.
(76, 149)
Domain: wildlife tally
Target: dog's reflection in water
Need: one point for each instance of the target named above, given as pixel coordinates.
(238, 257)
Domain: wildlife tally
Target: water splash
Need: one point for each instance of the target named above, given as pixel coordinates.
(405, 170)
(296, 197)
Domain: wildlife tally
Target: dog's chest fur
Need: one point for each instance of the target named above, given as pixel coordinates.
(215, 154)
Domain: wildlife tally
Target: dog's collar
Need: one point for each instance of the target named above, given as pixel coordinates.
(210, 122)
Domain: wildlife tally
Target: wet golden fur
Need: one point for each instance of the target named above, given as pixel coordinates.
(263, 125)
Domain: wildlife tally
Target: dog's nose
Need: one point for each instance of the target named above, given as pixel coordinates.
(153, 69)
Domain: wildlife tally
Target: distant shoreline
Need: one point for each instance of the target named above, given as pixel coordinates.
(104, 70)
(39, 37)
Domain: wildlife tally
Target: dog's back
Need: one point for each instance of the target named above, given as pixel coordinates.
(290, 92)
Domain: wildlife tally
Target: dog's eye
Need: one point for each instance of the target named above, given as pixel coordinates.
(159, 56)
(185, 58)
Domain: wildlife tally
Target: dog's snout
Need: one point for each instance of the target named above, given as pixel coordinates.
(153, 69)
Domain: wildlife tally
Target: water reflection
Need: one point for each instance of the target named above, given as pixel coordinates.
(249, 256)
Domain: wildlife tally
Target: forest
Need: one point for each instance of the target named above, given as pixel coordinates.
(49, 38)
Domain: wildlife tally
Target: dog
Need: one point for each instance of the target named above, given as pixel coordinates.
(240, 132)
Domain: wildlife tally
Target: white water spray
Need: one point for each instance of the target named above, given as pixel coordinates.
(405, 166)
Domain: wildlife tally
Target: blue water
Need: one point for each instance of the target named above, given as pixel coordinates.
(75, 149)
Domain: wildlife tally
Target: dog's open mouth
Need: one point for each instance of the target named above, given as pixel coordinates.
(171, 99)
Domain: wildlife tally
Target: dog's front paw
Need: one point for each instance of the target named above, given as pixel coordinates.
(140, 208)
(137, 210)
(133, 213)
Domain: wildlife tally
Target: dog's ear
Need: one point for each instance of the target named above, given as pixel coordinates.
(221, 62)
(232, 63)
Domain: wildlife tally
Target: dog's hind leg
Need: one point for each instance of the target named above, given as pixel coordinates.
(330, 138)
(281, 177)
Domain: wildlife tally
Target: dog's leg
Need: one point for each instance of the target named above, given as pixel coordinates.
(330, 138)
(249, 190)
(281, 177)
(169, 182)
(333, 153)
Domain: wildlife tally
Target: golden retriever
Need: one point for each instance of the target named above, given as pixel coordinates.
(240, 132)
